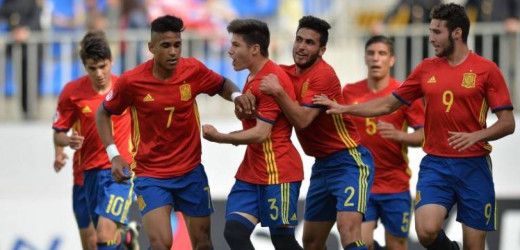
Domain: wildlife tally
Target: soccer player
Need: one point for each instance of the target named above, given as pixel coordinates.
(387, 138)
(343, 172)
(459, 87)
(105, 201)
(165, 134)
(269, 178)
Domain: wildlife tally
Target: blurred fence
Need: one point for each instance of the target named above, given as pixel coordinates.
(49, 60)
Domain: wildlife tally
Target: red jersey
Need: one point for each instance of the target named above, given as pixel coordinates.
(457, 99)
(165, 118)
(392, 174)
(327, 134)
(77, 107)
(276, 160)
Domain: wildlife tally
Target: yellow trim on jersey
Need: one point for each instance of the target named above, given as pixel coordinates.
(77, 127)
(196, 110)
(404, 148)
(136, 136)
(285, 200)
(364, 172)
(483, 113)
(270, 161)
(342, 131)
(128, 201)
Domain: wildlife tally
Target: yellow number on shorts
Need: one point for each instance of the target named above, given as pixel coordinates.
(406, 222)
(347, 201)
(447, 99)
(273, 207)
(371, 126)
(115, 205)
(171, 109)
(487, 212)
(206, 188)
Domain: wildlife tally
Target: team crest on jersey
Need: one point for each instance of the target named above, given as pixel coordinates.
(185, 92)
(468, 80)
(109, 95)
(305, 87)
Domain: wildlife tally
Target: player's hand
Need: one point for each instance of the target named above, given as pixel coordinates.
(59, 161)
(120, 169)
(245, 106)
(76, 140)
(270, 85)
(334, 107)
(210, 133)
(461, 141)
(388, 131)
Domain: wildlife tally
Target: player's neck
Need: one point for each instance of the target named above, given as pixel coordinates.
(256, 67)
(162, 73)
(102, 89)
(300, 70)
(459, 55)
(375, 85)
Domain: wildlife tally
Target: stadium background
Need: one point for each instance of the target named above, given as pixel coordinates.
(35, 202)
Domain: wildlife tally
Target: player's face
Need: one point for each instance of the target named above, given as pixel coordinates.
(306, 48)
(441, 38)
(240, 53)
(378, 60)
(98, 71)
(166, 49)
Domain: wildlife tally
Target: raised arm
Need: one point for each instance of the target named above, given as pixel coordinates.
(300, 117)
(257, 134)
(377, 107)
(505, 125)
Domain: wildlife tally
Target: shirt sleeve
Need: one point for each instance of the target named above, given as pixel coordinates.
(415, 114)
(65, 112)
(119, 98)
(209, 82)
(320, 83)
(497, 94)
(267, 108)
(411, 88)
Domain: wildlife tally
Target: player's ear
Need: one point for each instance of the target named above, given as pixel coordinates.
(322, 50)
(457, 33)
(151, 48)
(392, 61)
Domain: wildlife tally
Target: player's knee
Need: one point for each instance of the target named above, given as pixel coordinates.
(160, 242)
(238, 235)
(283, 238)
(426, 233)
(92, 241)
(312, 242)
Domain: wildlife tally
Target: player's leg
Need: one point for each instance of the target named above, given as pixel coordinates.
(155, 202)
(87, 231)
(475, 212)
(434, 199)
(367, 233)
(278, 211)
(396, 213)
(242, 213)
(351, 186)
(192, 197)
(320, 210)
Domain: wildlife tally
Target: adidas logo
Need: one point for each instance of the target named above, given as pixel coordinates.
(432, 80)
(294, 217)
(148, 98)
(86, 109)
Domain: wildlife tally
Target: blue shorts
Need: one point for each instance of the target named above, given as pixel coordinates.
(339, 182)
(79, 206)
(395, 211)
(189, 193)
(466, 181)
(106, 197)
(273, 205)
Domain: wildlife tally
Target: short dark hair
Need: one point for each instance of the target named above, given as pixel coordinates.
(253, 31)
(455, 17)
(319, 25)
(94, 45)
(167, 23)
(381, 39)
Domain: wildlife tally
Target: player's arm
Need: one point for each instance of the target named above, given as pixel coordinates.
(505, 125)
(300, 117)
(377, 107)
(60, 158)
(388, 131)
(244, 104)
(104, 128)
(257, 134)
